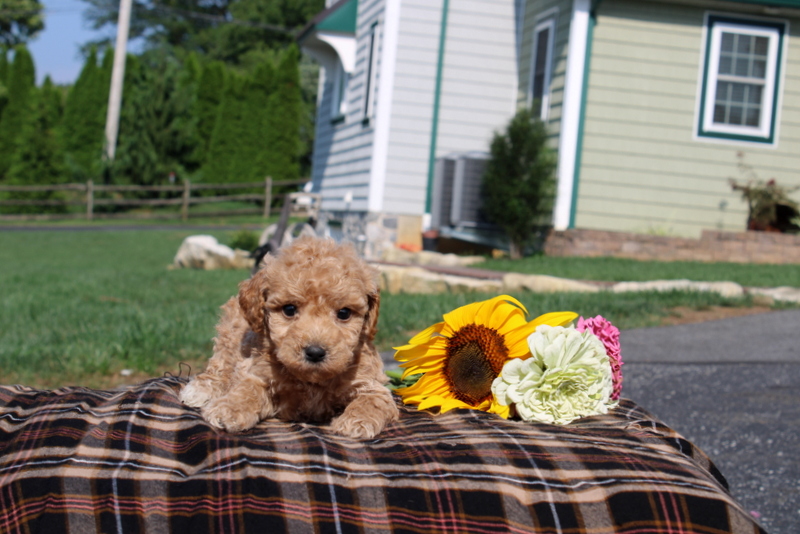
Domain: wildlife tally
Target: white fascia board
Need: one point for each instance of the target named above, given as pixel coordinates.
(571, 112)
(383, 113)
(345, 46)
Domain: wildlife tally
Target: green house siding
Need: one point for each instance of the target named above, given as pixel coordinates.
(643, 168)
(536, 11)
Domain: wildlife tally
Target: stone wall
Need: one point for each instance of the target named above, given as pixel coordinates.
(712, 246)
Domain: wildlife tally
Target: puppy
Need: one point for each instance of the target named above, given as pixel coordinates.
(297, 345)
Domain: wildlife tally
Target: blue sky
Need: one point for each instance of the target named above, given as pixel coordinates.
(56, 50)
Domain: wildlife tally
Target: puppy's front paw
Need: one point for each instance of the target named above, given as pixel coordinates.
(196, 393)
(229, 416)
(359, 424)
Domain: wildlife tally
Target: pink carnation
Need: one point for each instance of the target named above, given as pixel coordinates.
(609, 335)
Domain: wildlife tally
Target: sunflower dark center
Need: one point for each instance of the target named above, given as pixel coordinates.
(475, 356)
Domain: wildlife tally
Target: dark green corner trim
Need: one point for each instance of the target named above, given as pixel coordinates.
(576, 178)
(436, 100)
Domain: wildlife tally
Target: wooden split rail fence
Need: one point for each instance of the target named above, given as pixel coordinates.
(92, 195)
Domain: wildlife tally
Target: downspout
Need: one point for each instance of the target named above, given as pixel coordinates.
(436, 101)
(584, 93)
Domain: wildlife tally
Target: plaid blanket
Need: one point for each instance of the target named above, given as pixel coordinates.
(136, 460)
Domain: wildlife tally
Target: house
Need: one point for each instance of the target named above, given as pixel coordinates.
(652, 105)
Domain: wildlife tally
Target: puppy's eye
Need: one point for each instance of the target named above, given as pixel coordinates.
(290, 310)
(344, 314)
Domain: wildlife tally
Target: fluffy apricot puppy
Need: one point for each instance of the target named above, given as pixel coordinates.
(297, 345)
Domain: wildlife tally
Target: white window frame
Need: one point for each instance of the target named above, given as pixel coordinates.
(548, 23)
(777, 34)
(371, 72)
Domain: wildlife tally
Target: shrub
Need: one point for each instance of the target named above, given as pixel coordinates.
(519, 180)
(245, 240)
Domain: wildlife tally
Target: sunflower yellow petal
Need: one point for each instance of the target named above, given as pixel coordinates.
(451, 404)
(418, 351)
(499, 409)
(426, 334)
(556, 318)
(432, 401)
(505, 304)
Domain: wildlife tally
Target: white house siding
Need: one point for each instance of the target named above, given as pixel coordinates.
(477, 95)
(642, 169)
(343, 151)
(414, 87)
(479, 80)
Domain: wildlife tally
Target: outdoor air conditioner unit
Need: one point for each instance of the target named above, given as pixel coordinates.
(457, 199)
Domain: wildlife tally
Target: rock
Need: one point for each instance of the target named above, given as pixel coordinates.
(463, 284)
(205, 252)
(725, 289)
(416, 280)
(783, 293)
(427, 257)
(545, 284)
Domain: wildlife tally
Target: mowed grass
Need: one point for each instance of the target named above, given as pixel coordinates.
(618, 270)
(76, 308)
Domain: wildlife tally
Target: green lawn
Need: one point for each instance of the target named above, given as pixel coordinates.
(78, 307)
(616, 269)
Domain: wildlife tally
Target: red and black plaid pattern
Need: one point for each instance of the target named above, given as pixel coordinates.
(84, 461)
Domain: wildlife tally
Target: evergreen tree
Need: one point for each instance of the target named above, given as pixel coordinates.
(157, 129)
(82, 129)
(21, 84)
(3, 80)
(281, 147)
(230, 145)
(209, 95)
(519, 180)
(39, 158)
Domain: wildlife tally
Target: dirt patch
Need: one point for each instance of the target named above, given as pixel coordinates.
(685, 315)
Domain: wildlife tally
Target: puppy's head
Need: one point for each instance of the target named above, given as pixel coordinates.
(316, 303)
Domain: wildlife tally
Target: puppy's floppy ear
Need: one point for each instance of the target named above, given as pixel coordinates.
(371, 319)
(253, 300)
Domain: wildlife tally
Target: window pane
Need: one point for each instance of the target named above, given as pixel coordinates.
(727, 42)
(755, 94)
(725, 64)
(735, 115)
(762, 46)
(753, 117)
(539, 70)
(719, 114)
(541, 50)
(759, 69)
(744, 43)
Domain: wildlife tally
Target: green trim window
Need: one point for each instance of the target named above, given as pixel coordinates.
(741, 79)
(541, 67)
(371, 73)
(338, 101)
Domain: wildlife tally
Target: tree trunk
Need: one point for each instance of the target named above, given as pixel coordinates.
(515, 251)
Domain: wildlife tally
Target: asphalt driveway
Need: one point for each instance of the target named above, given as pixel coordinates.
(732, 387)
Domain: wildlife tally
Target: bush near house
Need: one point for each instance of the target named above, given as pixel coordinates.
(519, 181)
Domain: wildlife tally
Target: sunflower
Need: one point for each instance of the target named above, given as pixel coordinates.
(461, 356)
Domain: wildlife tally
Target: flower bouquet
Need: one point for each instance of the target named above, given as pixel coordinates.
(487, 356)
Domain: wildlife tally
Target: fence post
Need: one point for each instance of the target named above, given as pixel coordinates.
(267, 196)
(89, 200)
(187, 192)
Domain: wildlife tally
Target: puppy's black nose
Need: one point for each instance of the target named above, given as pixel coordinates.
(315, 353)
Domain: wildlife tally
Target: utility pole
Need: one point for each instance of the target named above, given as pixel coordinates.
(117, 77)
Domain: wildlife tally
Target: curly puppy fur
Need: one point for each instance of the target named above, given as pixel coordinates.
(297, 344)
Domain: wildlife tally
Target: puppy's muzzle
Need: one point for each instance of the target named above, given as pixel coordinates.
(315, 353)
